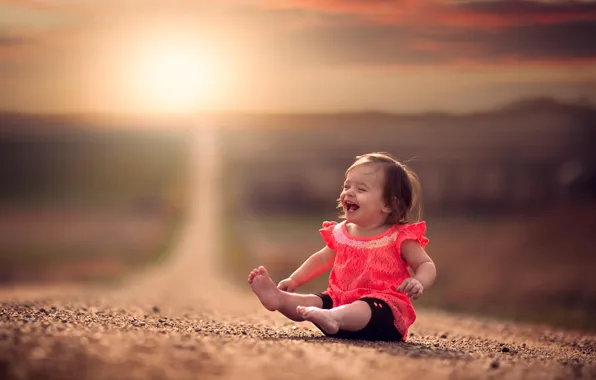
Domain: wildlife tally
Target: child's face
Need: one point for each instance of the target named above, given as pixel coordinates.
(362, 196)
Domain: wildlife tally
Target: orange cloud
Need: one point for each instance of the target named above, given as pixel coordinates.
(339, 32)
(471, 14)
(404, 32)
(506, 14)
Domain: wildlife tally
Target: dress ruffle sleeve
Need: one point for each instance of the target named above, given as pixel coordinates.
(413, 231)
(326, 232)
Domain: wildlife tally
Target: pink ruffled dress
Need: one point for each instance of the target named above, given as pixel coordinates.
(372, 267)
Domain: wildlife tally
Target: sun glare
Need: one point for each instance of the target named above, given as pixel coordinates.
(177, 79)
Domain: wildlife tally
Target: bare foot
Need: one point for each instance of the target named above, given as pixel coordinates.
(265, 289)
(321, 317)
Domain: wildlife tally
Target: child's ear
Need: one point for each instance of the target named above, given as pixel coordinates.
(387, 209)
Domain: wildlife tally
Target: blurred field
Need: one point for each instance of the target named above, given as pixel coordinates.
(56, 245)
(84, 203)
(509, 198)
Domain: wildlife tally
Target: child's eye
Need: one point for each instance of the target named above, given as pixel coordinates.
(346, 187)
(361, 189)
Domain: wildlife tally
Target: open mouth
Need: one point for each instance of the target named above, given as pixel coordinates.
(351, 206)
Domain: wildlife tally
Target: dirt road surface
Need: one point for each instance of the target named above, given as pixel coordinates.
(182, 321)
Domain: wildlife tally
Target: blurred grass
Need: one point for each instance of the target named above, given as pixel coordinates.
(89, 205)
(234, 256)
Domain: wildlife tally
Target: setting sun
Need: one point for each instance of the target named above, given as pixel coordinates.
(177, 78)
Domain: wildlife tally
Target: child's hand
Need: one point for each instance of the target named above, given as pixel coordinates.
(412, 287)
(288, 285)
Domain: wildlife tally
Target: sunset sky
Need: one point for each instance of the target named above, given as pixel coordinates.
(292, 55)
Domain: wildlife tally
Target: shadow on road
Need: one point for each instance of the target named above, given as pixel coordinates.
(410, 349)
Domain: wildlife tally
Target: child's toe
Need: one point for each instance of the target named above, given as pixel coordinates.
(251, 275)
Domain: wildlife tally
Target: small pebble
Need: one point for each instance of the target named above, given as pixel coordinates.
(505, 349)
(155, 309)
(495, 364)
(444, 336)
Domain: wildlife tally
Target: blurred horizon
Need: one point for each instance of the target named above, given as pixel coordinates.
(157, 118)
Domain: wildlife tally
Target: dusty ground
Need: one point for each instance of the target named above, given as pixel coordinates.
(182, 320)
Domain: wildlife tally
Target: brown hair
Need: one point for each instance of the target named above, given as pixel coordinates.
(401, 191)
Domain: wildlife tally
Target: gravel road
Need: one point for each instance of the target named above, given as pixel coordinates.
(182, 320)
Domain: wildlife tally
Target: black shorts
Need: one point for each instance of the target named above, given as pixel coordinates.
(379, 328)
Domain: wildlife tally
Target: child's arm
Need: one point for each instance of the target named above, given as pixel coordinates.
(313, 267)
(424, 269)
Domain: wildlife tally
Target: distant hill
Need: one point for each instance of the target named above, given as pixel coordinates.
(55, 123)
(548, 104)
